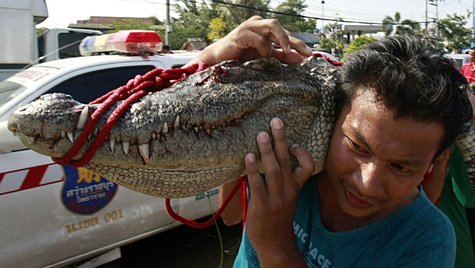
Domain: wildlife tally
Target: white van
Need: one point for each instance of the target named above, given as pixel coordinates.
(54, 215)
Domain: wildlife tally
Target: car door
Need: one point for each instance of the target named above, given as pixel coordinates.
(53, 214)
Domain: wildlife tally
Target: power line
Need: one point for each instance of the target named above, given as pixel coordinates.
(297, 15)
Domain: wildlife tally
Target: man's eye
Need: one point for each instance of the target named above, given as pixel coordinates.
(353, 145)
(400, 168)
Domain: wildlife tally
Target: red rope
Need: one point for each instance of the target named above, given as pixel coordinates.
(135, 89)
(325, 57)
(214, 217)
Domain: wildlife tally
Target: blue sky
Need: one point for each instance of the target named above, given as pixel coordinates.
(63, 12)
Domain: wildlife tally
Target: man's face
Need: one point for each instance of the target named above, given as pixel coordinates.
(375, 162)
(472, 55)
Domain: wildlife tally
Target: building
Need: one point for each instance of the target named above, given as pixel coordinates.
(105, 23)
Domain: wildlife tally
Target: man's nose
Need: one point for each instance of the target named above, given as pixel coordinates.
(372, 179)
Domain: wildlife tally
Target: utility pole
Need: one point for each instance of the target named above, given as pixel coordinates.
(473, 23)
(431, 27)
(168, 25)
(323, 16)
(427, 19)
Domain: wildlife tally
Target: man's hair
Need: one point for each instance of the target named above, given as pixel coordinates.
(412, 79)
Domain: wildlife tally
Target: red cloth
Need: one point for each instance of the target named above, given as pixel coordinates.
(468, 71)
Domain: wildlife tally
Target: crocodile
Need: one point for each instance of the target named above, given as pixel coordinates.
(193, 136)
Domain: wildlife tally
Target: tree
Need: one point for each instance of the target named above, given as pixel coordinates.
(217, 28)
(288, 14)
(241, 10)
(453, 32)
(195, 21)
(359, 42)
(394, 26)
(133, 24)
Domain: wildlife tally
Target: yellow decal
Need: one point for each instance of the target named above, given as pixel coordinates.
(88, 176)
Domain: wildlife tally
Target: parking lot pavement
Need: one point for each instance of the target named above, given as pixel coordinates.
(183, 247)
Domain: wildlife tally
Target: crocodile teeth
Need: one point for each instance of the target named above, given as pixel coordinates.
(30, 139)
(125, 147)
(70, 136)
(196, 129)
(111, 143)
(63, 134)
(144, 152)
(83, 118)
(165, 128)
(176, 124)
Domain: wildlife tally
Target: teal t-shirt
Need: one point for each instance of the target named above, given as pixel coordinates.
(419, 235)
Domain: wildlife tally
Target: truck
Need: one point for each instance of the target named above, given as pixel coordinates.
(55, 215)
(22, 47)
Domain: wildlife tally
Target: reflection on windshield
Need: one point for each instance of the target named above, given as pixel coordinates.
(9, 90)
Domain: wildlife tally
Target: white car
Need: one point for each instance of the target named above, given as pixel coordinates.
(53, 215)
(459, 59)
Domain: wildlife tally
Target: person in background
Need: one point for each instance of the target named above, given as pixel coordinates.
(166, 50)
(188, 46)
(450, 189)
(366, 208)
(468, 69)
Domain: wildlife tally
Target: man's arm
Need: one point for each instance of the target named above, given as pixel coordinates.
(254, 39)
(232, 215)
(271, 206)
(273, 202)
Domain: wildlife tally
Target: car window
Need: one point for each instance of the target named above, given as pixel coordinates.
(458, 63)
(9, 90)
(89, 86)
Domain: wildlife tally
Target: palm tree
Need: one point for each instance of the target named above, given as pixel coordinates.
(394, 26)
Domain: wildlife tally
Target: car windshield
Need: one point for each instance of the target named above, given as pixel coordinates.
(9, 90)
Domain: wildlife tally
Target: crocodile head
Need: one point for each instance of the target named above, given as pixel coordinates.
(194, 135)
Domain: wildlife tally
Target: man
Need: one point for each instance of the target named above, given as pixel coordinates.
(401, 106)
(166, 49)
(468, 69)
(450, 189)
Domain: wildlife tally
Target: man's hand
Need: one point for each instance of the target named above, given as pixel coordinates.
(272, 203)
(255, 38)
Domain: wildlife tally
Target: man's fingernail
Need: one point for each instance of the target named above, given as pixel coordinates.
(276, 123)
(250, 158)
(308, 49)
(263, 137)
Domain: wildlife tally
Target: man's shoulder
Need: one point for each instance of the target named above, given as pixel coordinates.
(426, 218)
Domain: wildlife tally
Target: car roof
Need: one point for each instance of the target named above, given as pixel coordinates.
(457, 55)
(40, 75)
(107, 59)
(44, 72)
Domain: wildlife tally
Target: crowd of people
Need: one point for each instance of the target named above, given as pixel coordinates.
(394, 189)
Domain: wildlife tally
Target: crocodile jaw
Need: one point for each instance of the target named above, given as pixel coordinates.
(189, 138)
